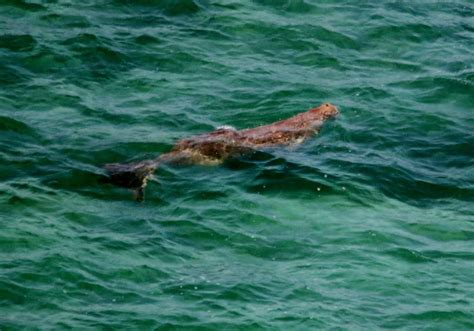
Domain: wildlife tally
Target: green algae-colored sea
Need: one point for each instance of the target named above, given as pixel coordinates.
(368, 226)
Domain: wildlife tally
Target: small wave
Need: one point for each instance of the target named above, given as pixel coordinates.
(411, 256)
(45, 61)
(24, 5)
(10, 124)
(169, 7)
(11, 75)
(18, 43)
(145, 39)
(66, 21)
(292, 6)
(457, 317)
(410, 32)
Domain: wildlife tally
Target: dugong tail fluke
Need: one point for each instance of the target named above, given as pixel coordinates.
(214, 147)
(131, 175)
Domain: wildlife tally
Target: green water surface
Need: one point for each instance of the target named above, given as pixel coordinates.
(368, 226)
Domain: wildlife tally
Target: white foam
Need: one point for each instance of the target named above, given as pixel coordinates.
(226, 127)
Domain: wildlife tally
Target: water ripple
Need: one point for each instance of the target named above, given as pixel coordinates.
(318, 236)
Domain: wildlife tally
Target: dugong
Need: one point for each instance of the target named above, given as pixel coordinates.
(214, 147)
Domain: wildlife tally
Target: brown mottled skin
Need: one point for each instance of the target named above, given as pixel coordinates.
(216, 146)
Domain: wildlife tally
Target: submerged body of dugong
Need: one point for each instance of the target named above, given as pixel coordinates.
(214, 147)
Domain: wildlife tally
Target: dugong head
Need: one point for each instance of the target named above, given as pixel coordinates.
(325, 111)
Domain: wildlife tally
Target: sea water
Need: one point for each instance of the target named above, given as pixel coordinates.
(370, 225)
